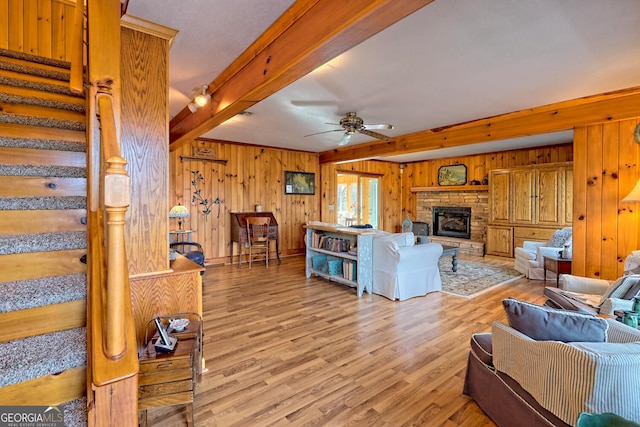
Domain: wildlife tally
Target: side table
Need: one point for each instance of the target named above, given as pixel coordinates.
(451, 251)
(167, 379)
(558, 266)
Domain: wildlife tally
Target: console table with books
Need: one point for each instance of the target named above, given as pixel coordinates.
(341, 254)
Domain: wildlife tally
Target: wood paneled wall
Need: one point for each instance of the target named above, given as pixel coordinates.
(605, 168)
(37, 27)
(391, 202)
(145, 145)
(425, 174)
(252, 176)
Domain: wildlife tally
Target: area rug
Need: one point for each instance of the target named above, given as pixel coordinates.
(473, 278)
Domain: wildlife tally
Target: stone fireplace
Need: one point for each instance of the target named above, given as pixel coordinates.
(452, 221)
(473, 198)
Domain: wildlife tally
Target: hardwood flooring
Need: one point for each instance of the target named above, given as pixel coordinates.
(284, 350)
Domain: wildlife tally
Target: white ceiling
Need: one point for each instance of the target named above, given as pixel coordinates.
(450, 62)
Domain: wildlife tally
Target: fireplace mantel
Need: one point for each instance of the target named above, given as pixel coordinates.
(451, 188)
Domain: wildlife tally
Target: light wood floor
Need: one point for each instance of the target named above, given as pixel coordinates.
(284, 350)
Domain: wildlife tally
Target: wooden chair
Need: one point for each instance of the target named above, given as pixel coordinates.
(258, 238)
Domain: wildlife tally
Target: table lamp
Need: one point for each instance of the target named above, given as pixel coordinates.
(179, 211)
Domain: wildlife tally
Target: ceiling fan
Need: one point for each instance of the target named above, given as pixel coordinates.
(351, 124)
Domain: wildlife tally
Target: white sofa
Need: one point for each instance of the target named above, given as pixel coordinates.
(402, 269)
(529, 258)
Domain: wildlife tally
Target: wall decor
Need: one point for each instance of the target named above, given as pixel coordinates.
(299, 183)
(452, 175)
(197, 196)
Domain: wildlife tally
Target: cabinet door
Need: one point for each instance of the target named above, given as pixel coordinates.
(500, 241)
(567, 197)
(499, 195)
(548, 200)
(523, 186)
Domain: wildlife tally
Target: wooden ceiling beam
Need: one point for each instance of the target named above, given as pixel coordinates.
(560, 116)
(307, 35)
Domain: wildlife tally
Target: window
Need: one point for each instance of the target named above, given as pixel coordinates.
(358, 196)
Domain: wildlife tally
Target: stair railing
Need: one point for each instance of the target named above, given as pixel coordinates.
(77, 46)
(116, 197)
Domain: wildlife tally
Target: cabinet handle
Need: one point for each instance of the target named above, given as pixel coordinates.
(165, 365)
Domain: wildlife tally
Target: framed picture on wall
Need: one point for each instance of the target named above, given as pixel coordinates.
(299, 183)
(452, 175)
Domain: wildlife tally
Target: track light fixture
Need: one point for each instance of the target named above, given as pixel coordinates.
(200, 100)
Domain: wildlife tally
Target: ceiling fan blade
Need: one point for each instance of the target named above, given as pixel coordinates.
(378, 126)
(326, 131)
(375, 135)
(345, 139)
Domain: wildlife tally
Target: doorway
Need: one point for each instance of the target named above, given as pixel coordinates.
(358, 199)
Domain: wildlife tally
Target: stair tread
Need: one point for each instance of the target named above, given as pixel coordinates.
(43, 202)
(50, 122)
(25, 294)
(20, 95)
(42, 242)
(57, 63)
(42, 144)
(34, 357)
(14, 78)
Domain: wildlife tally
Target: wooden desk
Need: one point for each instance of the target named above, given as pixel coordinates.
(239, 232)
(558, 266)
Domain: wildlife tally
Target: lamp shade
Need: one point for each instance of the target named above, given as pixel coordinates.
(179, 211)
(634, 195)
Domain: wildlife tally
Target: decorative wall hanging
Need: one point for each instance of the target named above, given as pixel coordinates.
(197, 196)
(299, 183)
(452, 175)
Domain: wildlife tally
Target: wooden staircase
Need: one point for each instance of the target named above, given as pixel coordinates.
(43, 238)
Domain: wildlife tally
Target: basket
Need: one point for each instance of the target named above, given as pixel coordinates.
(335, 267)
(319, 263)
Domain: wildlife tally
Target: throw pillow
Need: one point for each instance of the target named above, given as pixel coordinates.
(560, 237)
(620, 287)
(549, 324)
(632, 263)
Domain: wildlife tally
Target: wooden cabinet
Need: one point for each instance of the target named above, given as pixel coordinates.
(167, 379)
(499, 240)
(328, 256)
(500, 209)
(533, 201)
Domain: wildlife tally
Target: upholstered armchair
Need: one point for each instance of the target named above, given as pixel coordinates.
(529, 258)
(598, 296)
(402, 269)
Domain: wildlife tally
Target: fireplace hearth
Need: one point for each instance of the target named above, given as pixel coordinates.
(452, 221)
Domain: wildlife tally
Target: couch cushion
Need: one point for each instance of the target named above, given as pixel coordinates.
(560, 237)
(523, 253)
(549, 324)
(399, 239)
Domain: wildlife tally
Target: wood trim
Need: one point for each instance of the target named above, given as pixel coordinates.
(34, 156)
(36, 186)
(565, 115)
(451, 188)
(147, 27)
(28, 322)
(57, 389)
(297, 43)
